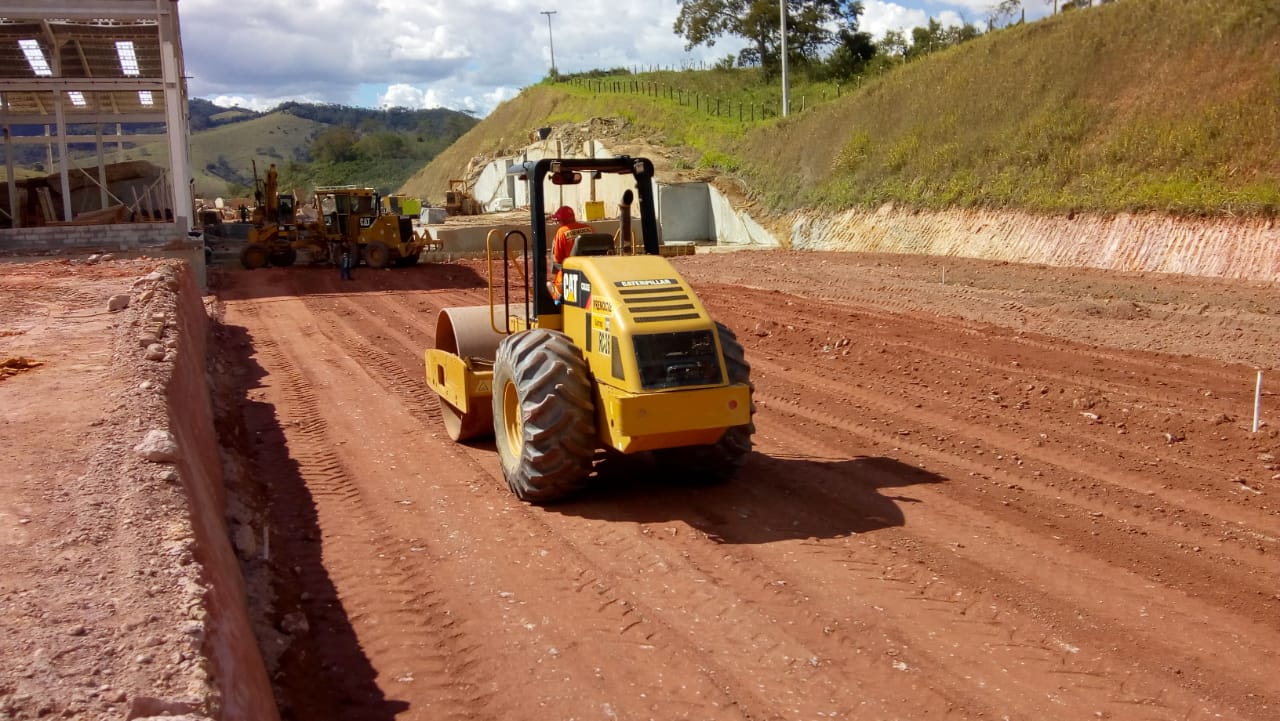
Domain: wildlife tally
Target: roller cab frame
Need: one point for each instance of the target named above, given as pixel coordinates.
(628, 360)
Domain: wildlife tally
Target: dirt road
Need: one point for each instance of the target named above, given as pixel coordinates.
(978, 491)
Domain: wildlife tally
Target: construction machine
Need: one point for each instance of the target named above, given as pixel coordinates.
(401, 204)
(458, 199)
(274, 236)
(353, 214)
(344, 213)
(627, 360)
(272, 241)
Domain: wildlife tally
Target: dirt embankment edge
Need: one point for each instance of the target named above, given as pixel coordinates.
(236, 662)
(1236, 248)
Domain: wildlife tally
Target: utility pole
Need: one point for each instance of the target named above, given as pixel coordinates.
(551, 41)
(786, 93)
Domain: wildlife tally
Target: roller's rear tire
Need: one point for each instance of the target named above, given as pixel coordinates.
(716, 463)
(544, 415)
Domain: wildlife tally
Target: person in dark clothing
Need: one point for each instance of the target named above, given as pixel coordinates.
(346, 260)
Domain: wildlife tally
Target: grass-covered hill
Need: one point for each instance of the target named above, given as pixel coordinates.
(1148, 105)
(310, 144)
(318, 145)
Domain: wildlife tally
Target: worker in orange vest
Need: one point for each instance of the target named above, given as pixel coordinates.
(562, 246)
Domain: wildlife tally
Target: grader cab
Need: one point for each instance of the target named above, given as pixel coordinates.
(628, 359)
(354, 215)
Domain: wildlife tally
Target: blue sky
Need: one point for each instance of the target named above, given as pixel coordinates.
(456, 54)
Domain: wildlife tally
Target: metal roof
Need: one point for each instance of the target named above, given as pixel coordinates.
(105, 56)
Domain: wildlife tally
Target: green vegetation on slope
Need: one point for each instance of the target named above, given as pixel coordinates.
(1140, 105)
(1158, 105)
(223, 157)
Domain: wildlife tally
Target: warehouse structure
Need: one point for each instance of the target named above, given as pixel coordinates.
(81, 80)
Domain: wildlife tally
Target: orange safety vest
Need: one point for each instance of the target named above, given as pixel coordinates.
(561, 248)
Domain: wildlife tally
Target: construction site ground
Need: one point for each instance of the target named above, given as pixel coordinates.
(978, 491)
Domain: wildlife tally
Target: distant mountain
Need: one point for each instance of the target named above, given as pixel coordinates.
(205, 115)
(314, 144)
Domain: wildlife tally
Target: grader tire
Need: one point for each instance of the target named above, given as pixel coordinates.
(716, 463)
(284, 257)
(544, 415)
(377, 255)
(253, 256)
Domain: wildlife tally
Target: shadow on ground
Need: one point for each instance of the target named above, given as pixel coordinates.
(322, 673)
(770, 499)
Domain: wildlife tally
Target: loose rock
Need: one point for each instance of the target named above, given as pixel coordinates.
(158, 447)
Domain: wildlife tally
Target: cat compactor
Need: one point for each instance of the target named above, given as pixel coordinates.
(627, 360)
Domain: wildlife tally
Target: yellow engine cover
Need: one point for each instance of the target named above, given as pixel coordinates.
(654, 352)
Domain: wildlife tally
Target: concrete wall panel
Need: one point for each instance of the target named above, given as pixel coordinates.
(684, 210)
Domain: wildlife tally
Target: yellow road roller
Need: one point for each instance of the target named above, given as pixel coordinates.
(620, 355)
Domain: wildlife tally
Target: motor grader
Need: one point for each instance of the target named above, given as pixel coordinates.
(344, 213)
(627, 360)
(272, 240)
(352, 214)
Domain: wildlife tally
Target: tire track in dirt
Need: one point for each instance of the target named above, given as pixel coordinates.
(1007, 435)
(628, 623)
(1036, 462)
(1031, 356)
(1072, 303)
(1038, 469)
(1018, 617)
(806, 385)
(939, 602)
(886, 305)
(420, 639)
(1052, 474)
(814, 689)
(760, 638)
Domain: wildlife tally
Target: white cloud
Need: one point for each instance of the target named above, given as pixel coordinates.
(879, 17)
(407, 96)
(257, 103)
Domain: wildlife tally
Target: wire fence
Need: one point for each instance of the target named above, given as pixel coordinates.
(742, 111)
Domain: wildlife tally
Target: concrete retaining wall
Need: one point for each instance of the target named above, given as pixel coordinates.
(685, 212)
(737, 229)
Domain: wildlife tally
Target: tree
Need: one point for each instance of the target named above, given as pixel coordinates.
(893, 44)
(852, 54)
(382, 145)
(334, 145)
(934, 37)
(1003, 13)
(812, 26)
